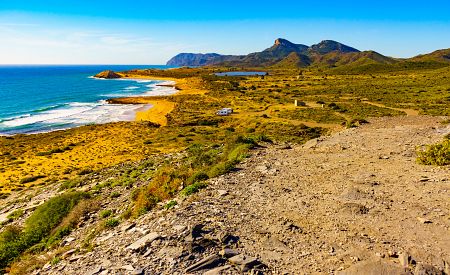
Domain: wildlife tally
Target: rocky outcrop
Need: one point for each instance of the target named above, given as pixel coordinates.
(108, 75)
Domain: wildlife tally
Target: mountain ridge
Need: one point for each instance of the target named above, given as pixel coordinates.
(284, 53)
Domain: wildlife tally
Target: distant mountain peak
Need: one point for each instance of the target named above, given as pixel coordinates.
(327, 46)
(282, 42)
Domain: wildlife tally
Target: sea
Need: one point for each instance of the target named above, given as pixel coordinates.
(35, 99)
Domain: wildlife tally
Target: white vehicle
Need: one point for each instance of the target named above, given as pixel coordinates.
(229, 110)
(224, 112)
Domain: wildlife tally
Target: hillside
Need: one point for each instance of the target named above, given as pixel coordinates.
(127, 197)
(326, 54)
(198, 59)
(281, 49)
(271, 217)
(437, 56)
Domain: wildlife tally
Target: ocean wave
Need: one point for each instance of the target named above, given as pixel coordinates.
(131, 88)
(74, 114)
(43, 109)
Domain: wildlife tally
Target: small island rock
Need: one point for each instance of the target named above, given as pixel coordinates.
(107, 75)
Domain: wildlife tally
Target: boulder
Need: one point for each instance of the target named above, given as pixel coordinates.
(107, 75)
(143, 242)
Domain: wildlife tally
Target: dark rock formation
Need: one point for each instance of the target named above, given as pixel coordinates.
(107, 75)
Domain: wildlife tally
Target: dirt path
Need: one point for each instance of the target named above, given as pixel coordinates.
(352, 203)
(408, 112)
(352, 196)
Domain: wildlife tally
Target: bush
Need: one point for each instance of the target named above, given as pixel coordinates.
(435, 154)
(170, 204)
(38, 226)
(31, 179)
(105, 213)
(68, 184)
(239, 153)
(112, 222)
(220, 169)
(198, 176)
(193, 188)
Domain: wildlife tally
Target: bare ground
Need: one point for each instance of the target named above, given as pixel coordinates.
(355, 202)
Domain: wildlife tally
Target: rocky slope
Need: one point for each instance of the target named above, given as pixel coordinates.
(354, 202)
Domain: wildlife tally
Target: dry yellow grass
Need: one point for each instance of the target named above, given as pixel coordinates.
(93, 147)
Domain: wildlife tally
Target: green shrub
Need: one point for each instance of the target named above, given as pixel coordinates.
(193, 188)
(31, 179)
(239, 153)
(37, 227)
(170, 204)
(112, 222)
(197, 176)
(435, 154)
(105, 213)
(220, 169)
(115, 195)
(68, 184)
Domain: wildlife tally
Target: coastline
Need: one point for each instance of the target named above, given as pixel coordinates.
(157, 107)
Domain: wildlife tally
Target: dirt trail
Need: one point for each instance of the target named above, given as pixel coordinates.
(352, 203)
(354, 195)
(408, 112)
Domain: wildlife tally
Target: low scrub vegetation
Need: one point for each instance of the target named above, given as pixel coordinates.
(38, 227)
(200, 163)
(435, 154)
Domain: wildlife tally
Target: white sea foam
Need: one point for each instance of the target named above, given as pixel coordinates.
(131, 88)
(77, 113)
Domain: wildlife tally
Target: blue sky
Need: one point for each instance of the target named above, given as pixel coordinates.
(150, 32)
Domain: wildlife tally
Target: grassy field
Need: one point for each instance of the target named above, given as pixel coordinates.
(262, 105)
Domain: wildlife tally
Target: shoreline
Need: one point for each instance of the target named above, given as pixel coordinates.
(155, 109)
(164, 88)
(160, 105)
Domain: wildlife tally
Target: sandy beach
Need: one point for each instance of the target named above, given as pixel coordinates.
(158, 106)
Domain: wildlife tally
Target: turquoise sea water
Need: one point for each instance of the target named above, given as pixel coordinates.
(46, 98)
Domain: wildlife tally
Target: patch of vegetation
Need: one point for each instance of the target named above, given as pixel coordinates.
(50, 152)
(355, 122)
(69, 184)
(31, 179)
(85, 172)
(170, 204)
(112, 222)
(435, 154)
(15, 240)
(193, 188)
(313, 114)
(105, 213)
